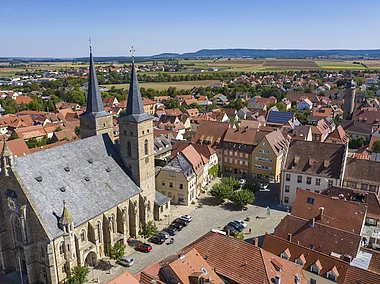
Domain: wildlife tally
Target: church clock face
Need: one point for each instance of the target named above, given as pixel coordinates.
(12, 204)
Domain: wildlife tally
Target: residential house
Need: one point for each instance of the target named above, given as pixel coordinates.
(295, 97)
(362, 175)
(286, 103)
(244, 113)
(17, 146)
(219, 100)
(241, 262)
(163, 146)
(320, 131)
(300, 132)
(149, 106)
(338, 136)
(23, 100)
(238, 145)
(323, 166)
(203, 101)
(304, 104)
(26, 133)
(280, 118)
(178, 181)
(268, 157)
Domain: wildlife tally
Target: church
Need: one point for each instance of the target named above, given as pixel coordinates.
(66, 206)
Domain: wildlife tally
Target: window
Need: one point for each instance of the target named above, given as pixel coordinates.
(230, 160)
(236, 161)
(241, 155)
(299, 261)
(99, 231)
(236, 154)
(143, 132)
(163, 183)
(180, 186)
(313, 281)
(310, 200)
(63, 269)
(230, 153)
(169, 194)
(372, 187)
(299, 179)
(331, 182)
(225, 152)
(287, 177)
(246, 156)
(314, 268)
(318, 181)
(164, 192)
(16, 226)
(131, 133)
(308, 180)
(111, 220)
(286, 199)
(171, 184)
(82, 236)
(61, 248)
(287, 188)
(225, 159)
(146, 151)
(129, 149)
(354, 185)
(331, 276)
(246, 163)
(172, 174)
(241, 162)
(317, 191)
(364, 186)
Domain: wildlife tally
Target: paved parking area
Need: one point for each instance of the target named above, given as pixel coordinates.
(209, 217)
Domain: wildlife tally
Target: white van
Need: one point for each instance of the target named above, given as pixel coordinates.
(125, 261)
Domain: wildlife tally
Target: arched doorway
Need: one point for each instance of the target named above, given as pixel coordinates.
(91, 259)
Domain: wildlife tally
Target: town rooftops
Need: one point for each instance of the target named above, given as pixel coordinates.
(336, 213)
(161, 199)
(363, 171)
(89, 174)
(314, 235)
(210, 133)
(307, 256)
(244, 136)
(357, 127)
(279, 117)
(323, 159)
(18, 147)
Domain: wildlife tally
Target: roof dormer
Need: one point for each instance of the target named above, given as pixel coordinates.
(333, 274)
(316, 267)
(301, 260)
(285, 254)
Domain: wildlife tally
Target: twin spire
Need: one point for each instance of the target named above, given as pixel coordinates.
(135, 108)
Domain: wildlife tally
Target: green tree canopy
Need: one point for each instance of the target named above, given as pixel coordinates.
(172, 103)
(117, 251)
(376, 146)
(242, 197)
(221, 191)
(148, 229)
(231, 182)
(78, 275)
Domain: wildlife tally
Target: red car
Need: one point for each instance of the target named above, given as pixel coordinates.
(144, 247)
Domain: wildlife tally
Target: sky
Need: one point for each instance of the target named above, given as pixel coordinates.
(43, 28)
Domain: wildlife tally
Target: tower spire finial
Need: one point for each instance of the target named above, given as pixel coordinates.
(133, 54)
(90, 43)
(64, 203)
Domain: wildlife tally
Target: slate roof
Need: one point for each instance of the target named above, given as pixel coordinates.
(94, 100)
(323, 159)
(65, 171)
(357, 127)
(135, 107)
(180, 165)
(161, 199)
(279, 117)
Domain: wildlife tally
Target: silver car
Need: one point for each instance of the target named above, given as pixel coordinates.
(125, 261)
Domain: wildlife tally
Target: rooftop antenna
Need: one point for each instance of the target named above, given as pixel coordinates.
(132, 50)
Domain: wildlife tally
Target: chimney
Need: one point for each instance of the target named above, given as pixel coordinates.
(256, 242)
(321, 209)
(277, 279)
(312, 222)
(289, 237)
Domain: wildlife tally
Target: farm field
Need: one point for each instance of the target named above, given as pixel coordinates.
(164, 85)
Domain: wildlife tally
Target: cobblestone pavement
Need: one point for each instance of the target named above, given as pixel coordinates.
(209, 217)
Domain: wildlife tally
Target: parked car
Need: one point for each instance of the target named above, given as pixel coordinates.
(157, 239)
(188, 218)
(237, 226)
(264, 186)
(181, 221)
(166, 235)
(171, 230)
(231, 229)
(144, 247)
(244, 224)
(125, 261)
(178, 226)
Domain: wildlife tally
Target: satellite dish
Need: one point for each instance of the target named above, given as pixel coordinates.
(204, 271)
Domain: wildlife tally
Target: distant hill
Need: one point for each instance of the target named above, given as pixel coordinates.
(272, 53)
(218, 53)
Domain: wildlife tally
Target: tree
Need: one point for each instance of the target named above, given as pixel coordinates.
(213, 171)
(221, 191)
(242, 197)
(239, 236)
(172, 103)
(148, 229)
(251, 186)
(78, 275)
(14, 136)
(231, 182)
(376, 146)
(358, 142)
(117, 251)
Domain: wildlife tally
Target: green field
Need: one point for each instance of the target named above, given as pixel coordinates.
(165, 85)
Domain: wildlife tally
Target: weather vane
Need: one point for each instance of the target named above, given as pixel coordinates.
(133, 54)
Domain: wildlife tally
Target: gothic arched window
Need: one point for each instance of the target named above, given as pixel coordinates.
(99, 230)
(146, 147)
(83, 235)
(112, 223)
(16, 227)
(129, 149)
(61, 248)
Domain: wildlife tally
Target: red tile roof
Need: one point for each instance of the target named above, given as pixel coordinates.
(337, 213)
(360, 276)
(17, 146)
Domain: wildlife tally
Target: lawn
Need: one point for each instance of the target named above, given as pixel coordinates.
(164, 85)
